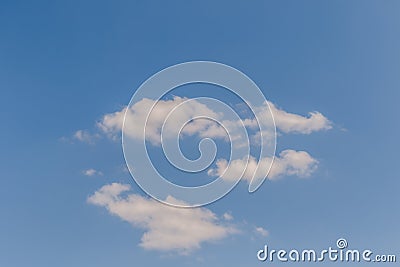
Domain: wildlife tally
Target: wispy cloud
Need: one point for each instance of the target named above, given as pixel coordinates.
(227, 216)
(293, 123)
(85, 136)
(289, 162)
(111, 124)
(91, 172)
(166, 228)
(261, 231)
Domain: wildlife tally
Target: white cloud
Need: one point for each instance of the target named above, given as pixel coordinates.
(91, 172)
(290, 122)
(85, 136)
(112, 123)
(166, 228)
(261, 231)
(169, 228)
(289, 162)
(227, 216)
(285, 122)
(293, 123)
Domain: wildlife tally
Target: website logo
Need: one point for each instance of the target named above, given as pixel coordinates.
(340, 253)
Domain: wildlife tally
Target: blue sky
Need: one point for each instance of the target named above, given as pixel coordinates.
(63, 66)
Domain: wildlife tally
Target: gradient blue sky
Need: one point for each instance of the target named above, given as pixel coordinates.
(63, 65)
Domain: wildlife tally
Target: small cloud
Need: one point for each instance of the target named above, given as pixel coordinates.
(261, 231)
(85, 136)
(227, 216)
(288, 162)
(293, 123)
(92, 172)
